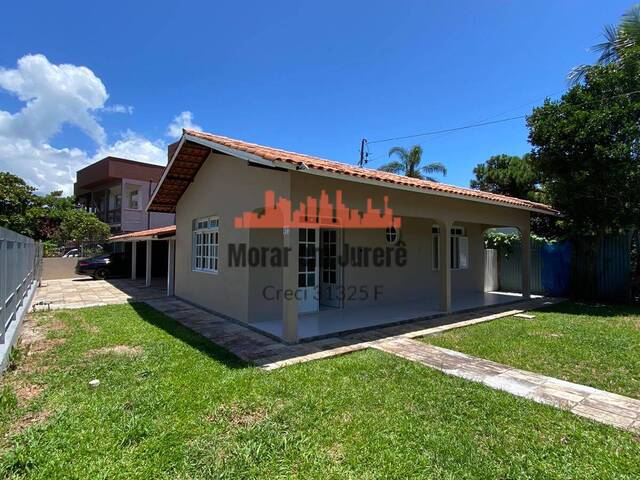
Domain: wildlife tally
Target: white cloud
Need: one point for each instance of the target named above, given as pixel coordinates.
(135, 147)
(180, 121)
(54, 95)
(118, 108)
(57, 95)
(44, 166)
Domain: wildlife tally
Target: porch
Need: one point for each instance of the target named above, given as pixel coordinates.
(336, 286)
(328, 321)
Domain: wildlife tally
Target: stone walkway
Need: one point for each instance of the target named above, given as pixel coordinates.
(598, 405)
(264, 351)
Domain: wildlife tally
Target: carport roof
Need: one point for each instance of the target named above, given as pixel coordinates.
(151, 234)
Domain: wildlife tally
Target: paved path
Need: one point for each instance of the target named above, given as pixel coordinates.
(598, 405)
(86, 292)
(269, 353)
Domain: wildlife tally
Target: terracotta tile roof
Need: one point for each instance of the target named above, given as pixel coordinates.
(153, 232)
(166, 203)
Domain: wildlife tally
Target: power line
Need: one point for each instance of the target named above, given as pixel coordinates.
(481, 124)
(364, 147)
(447, 130)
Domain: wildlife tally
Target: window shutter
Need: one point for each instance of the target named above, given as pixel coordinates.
(463, 252)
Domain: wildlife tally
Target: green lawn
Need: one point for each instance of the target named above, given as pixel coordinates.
(170, 405)
(592, 345)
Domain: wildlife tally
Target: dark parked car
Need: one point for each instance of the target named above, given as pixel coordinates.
(103, 266)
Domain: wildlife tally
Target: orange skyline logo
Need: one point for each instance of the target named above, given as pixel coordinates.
(314, 214)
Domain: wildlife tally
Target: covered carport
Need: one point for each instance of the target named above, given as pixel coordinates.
(150, 254)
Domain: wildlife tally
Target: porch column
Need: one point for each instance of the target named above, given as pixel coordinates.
(525, 235)
(147, 279)
(290, 286)
(171, 268)
(134, 259)
(445, 264)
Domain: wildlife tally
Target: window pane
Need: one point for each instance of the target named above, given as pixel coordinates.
(436, 252)
(302, 280)
(463, 252)
(311, 279)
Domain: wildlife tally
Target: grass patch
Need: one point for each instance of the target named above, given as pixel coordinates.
(182, 408)
(591, 345)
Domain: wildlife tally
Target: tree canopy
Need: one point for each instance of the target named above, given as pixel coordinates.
(80, 226)
(586, 145)
(17, 201)
(507, 175)
(47, 217)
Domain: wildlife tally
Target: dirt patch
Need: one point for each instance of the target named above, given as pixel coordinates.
(237, 416)
(27, 420)
(26, 392)
(336, 453)
(91, 328)
(33, 337)
(634, 320)
(124, 350)
(43, 345)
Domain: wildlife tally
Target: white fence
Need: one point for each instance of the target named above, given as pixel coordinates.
(491, 270)
(20, 264)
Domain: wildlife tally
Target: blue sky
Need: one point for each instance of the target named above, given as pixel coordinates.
(309, 77)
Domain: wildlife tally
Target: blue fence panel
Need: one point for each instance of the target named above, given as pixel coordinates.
(556, 271)
(551, 267)
(614, 267)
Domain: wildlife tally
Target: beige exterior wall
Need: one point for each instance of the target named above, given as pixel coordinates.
(417, 279)
(226, 186)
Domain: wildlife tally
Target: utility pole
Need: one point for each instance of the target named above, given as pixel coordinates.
(363, 160)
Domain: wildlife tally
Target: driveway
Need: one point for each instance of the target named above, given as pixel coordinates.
(86, 292)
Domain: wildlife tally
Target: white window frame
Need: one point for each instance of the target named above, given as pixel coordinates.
(205, 255)
(459, 249)
(130, 192)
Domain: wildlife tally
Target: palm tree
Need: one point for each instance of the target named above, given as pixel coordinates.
(617, 39)
(408, 164)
